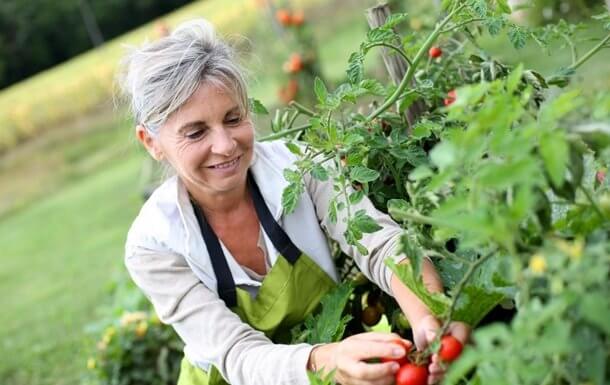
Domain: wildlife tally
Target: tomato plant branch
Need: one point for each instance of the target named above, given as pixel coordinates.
(343, 183)
(423, 50)
(395, 48)
(572, 47)
(284, 133)
(594, 204)
(301, 108)
(460, 25)
(422, 219)
(591, 52)
(459, 287)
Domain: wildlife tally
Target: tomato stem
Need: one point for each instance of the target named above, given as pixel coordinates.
(423, 51)
(301, 108)
(594, 204)
(460, 286)
(591, 52)
(395, 48)
(284, 133)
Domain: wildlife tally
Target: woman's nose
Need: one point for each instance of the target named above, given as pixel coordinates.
(223, 143)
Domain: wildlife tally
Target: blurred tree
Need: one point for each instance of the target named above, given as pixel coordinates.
(38, 34)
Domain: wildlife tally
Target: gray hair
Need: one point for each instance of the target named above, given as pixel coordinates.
(160, 76)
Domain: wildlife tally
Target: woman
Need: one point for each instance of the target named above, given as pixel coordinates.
(211, 248)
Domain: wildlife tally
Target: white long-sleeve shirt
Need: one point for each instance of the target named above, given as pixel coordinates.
(167, 258)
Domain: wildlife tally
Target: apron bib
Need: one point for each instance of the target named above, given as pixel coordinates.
(290, 291)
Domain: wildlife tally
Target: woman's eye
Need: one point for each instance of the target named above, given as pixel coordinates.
(234, 121)
(194, 134)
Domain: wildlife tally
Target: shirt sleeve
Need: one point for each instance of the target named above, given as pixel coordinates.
(211, 331)
(381, 244)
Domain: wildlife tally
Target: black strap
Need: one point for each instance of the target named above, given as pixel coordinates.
(274, 231)
(277, 235)
(224, 278)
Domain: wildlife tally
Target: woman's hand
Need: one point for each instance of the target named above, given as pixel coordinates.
(424, 333)
(348, 358)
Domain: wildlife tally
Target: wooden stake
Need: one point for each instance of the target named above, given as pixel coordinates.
(395, 65)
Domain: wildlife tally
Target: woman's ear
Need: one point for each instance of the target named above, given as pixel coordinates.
(150, 144)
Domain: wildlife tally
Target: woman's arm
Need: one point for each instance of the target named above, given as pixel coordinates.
(211, 331)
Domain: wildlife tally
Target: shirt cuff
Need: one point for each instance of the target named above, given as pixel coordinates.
(301, 358)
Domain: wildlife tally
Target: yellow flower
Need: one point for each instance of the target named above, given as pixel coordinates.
(538, 263)
(129, 318)
(141, 328)
(573, 249)
(102, 345)
(91, 363)
(110, 331)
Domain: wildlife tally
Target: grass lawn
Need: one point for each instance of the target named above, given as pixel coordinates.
(57, 256)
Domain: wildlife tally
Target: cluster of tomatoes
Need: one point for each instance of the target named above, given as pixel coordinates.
(415, 372)
(294, 64)
(290, 19)
(434, 53)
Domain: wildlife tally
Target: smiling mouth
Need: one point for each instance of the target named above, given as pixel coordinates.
(228, 164)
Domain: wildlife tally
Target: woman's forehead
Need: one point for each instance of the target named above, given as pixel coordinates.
(209, 101)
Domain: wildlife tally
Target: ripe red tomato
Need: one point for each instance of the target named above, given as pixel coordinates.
(451, 348)
(283, 16)
(451, 96)
(411, 374)
(298, 18)
(435, 52)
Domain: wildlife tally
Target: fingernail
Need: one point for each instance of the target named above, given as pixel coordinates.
(395, 367)
(398, 352)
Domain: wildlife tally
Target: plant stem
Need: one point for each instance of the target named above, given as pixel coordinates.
(411, 70)
(594, 204)
(284, 133)
(301, 108)
(395, 48)
(457, 26)
(572, 48)
(460, 286)
(344, 180)
(591, 52)
(422, 219)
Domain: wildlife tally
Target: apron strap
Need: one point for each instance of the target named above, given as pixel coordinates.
(277, 235)
(224, 278)
(282, 243)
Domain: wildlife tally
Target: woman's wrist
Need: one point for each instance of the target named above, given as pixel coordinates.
(320, 358)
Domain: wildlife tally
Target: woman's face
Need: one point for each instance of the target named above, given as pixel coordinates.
(209, 142)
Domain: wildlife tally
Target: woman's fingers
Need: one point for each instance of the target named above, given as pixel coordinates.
(354, 351)
(368, 372)
(359, 350)
(460, 330)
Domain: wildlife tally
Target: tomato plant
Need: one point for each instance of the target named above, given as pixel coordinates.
(495, 179)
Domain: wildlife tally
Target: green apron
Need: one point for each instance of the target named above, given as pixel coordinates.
(290, 291)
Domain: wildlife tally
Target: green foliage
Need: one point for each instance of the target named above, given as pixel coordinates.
(329, 324)
(499, 185)
(137, 349)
